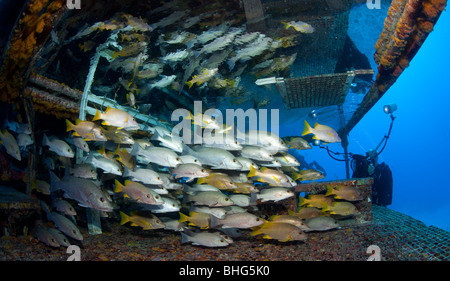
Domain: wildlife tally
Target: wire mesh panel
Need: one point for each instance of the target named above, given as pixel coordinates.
(315, 91)
(319, 90)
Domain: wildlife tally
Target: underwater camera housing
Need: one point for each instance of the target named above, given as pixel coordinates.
(390, 108)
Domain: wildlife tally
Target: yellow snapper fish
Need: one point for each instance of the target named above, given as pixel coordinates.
(10, 143)
(345, 192)
(145, 222)
(196, 219)
(118, 118)
(300, 26)
(204, 76)
(270, 176)
(280, 231)
(341, 208)
(316, 201)
(321, 132)
(86, 129)
(308, 175)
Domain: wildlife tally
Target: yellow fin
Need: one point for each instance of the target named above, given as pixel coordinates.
(183, 217)
(98, 116)
(70, 126)
(119, 186)
(252, 172)
(123, 218)
(201, 180)
(306, 129)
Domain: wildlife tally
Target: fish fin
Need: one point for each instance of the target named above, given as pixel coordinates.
(263, 169)
(189, 83)
(214, 221)
(329, 191)
(45, 140)
(287, 239)
(183, 218)
(126, 195)
(70, 126)
(119, 186)
(117, 151)
(286, 25)
(184, 238)
(301, 201)
(76, 134)
(267, 237)
(102, 150)
(273, 217)
(295, 176)
(54, 181)
(306, 129)
(123, 218)
(115, 55)
(97, 116)
(201, 180)
(126, 172)
(256, 232)
(252, 172)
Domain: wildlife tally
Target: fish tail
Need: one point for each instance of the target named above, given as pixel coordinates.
(252, 172)
(286, 25)
(329, 191)
(54, 181)
(115, 55)
(183, 218)
(184, 238)
(307, 128)
(189, 83)
(295, 176)
(119, 186)
(70, 126)
(126, 172)
(301, 201)
(124, 218)
(45, 140)
(98, 116)
(214, 221)
(256, 232)
(136, 148)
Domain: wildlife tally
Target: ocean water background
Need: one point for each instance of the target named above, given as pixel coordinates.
(418, 150)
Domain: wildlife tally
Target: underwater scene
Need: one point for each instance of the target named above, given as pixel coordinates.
(224, 130)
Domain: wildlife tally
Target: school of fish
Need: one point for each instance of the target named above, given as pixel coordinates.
(210, 193)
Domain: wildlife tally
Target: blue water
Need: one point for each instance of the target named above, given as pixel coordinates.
(418, 149)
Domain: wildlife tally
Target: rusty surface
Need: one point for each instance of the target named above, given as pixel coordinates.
(405, 29)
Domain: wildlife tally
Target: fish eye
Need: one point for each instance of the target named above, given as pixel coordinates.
(257, 219)
(102, 199)
(158, 178)
(221, 240)
(252, 164)
(203, 170)
(178, 159)
(195, 160)
(74, 232)
(148, 195)
(226, 199)
(157, 197)
(173, 205)
(234, 160)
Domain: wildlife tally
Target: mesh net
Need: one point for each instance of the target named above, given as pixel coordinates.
(413, 235)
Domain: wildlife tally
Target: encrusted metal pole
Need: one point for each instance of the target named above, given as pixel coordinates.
(93, 215)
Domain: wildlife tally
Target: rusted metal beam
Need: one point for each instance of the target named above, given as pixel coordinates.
(405, 29)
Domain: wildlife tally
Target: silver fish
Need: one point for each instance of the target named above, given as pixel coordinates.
(84, 191)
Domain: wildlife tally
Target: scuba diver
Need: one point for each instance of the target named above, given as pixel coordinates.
(364, 166)
(313, 165)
